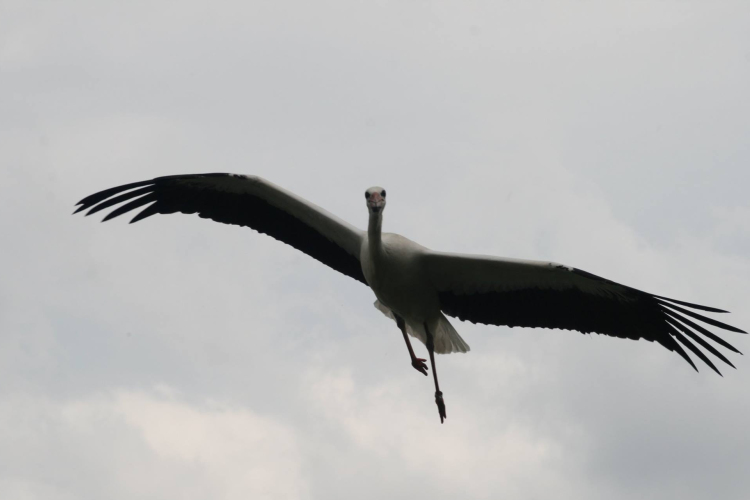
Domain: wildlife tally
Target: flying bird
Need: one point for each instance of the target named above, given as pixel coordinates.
(417, 287)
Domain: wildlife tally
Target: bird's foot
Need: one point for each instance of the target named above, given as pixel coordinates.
(441, 405)
(420, 365)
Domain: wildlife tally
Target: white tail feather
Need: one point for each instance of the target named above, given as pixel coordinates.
(447, 339)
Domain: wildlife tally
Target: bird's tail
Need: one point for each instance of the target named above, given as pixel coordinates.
(447, 339)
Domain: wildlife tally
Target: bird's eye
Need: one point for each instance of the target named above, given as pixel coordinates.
(367, 195)
(382, 193)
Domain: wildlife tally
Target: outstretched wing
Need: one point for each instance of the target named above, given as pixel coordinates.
(510, 292)
(243, 201)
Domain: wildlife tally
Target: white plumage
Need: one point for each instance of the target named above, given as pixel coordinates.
(417, 287)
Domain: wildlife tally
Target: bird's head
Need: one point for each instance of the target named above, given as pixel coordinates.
(375, 197)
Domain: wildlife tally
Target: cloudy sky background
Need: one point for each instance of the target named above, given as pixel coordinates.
(179, 358)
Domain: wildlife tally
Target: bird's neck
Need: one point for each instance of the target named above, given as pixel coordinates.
(374, 232)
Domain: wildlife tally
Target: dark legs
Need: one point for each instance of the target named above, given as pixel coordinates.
(417, 363)
(438, 395)
(420, 365)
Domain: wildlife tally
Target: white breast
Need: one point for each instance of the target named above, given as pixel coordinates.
(396, 276)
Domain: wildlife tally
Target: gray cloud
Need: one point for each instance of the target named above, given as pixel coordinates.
(178, 358)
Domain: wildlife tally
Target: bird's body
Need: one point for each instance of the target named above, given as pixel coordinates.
(416, 286)
(393, 267)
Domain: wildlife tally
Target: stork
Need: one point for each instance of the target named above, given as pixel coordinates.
(417, 287)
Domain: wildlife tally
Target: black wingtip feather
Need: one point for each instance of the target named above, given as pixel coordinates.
(681, 338)
(138, 202)
(103, 195)
(702, 330)
(119, 199)
(705, 319)
(146, 212)
(700, 341)
(689, 304)
(669, 342)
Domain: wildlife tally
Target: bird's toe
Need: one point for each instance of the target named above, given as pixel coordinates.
(420, 365)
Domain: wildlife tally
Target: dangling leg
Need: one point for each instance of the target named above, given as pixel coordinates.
(438, 395)
(418, 363)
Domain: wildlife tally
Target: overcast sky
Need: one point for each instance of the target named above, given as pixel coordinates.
(183, 359)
